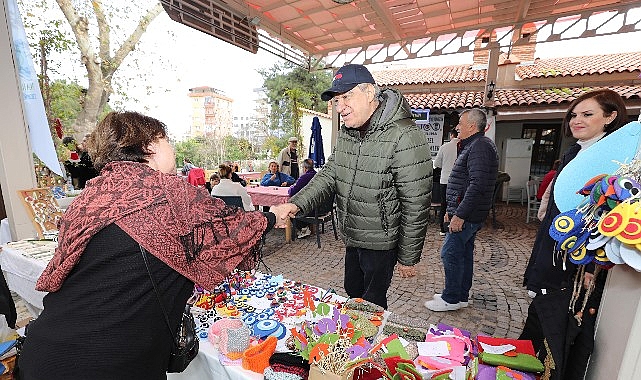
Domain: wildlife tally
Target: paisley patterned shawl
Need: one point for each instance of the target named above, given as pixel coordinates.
(192, 232)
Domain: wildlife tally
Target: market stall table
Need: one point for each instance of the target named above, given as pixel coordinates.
(271, 196)
(21, 273)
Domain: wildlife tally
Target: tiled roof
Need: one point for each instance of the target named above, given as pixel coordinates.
(507, 98)
(568, 66)
(455, 73)
(586, 65)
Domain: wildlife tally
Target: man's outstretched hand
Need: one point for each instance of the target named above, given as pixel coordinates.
(283, 212)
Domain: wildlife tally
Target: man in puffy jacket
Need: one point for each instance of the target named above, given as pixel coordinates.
(381, 175)
(469, 200)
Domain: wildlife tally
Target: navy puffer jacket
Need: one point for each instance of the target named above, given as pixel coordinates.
(471, 184)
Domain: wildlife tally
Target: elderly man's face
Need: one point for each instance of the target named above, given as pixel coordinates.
(465, 127)
(355, 106)
(293, 144)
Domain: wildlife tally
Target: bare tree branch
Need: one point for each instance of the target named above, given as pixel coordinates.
(103, 31)
(133, 39)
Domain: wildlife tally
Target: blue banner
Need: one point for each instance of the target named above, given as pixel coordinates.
(33, 106)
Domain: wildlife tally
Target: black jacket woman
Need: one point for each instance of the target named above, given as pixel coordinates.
(548, 277)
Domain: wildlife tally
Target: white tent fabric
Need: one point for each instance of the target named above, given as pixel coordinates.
(34, 110)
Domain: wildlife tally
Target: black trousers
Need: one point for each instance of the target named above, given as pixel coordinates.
(441, 212)
(368, 274)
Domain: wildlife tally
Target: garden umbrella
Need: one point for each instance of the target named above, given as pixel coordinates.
(316, 144)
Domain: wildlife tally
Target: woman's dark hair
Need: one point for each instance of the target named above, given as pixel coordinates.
(609, 101)
(225, 171)
(124, 136)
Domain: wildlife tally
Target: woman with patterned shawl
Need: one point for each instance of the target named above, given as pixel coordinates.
(101, 318)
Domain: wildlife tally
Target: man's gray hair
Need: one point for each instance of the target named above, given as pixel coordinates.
(308, 163)
(377, 90)
(477, 116)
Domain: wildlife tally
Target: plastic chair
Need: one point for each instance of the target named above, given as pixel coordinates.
(231, 200)
(319, 217)
(533, 204)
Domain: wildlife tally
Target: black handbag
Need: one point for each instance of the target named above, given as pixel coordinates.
(185, 347)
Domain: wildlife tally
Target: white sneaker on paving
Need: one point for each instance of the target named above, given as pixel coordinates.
(438, 304)
(462, 303)
(304, 232)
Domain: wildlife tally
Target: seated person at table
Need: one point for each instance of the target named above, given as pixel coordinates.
(234, 176)
(135, 222)
(276, 178)
(227, 187)
(308, 174)
(214, 180)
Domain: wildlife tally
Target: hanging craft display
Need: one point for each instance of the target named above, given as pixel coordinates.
(605, 228)
(43, 210)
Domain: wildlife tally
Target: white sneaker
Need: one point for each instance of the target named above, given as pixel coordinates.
(304, 232)
(462, 303)
(438, 304)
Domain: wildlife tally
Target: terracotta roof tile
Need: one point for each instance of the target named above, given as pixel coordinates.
(585, 65)
(455, 73)
(508, 98)
(567, 66)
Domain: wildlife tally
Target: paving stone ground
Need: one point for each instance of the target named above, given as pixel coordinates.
(498, 304)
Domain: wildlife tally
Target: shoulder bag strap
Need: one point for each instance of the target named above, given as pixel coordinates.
(164, 312)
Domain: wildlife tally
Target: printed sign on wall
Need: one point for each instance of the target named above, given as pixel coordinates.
(433, 128)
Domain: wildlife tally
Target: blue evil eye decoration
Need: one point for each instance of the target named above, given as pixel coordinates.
(566, 224)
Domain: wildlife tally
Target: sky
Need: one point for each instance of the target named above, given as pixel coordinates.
(172, 58)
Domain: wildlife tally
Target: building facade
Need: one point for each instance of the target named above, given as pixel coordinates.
(211, 113)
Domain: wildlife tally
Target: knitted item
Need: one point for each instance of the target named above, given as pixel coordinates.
(289, 359)
(270, 374)
(237, 342)
(217, 328)
(302, 372)
(230, 336)
(256, 358)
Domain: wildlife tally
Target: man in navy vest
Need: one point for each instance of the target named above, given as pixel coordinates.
(469, 200)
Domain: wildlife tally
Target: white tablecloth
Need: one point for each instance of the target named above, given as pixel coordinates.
(207, 366)
(22, 273)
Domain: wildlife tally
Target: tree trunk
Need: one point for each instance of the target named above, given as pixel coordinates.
(100, 67)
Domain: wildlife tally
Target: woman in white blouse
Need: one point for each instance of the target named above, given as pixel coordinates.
(228, 187)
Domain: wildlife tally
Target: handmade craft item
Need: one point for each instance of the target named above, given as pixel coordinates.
(43, 211)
